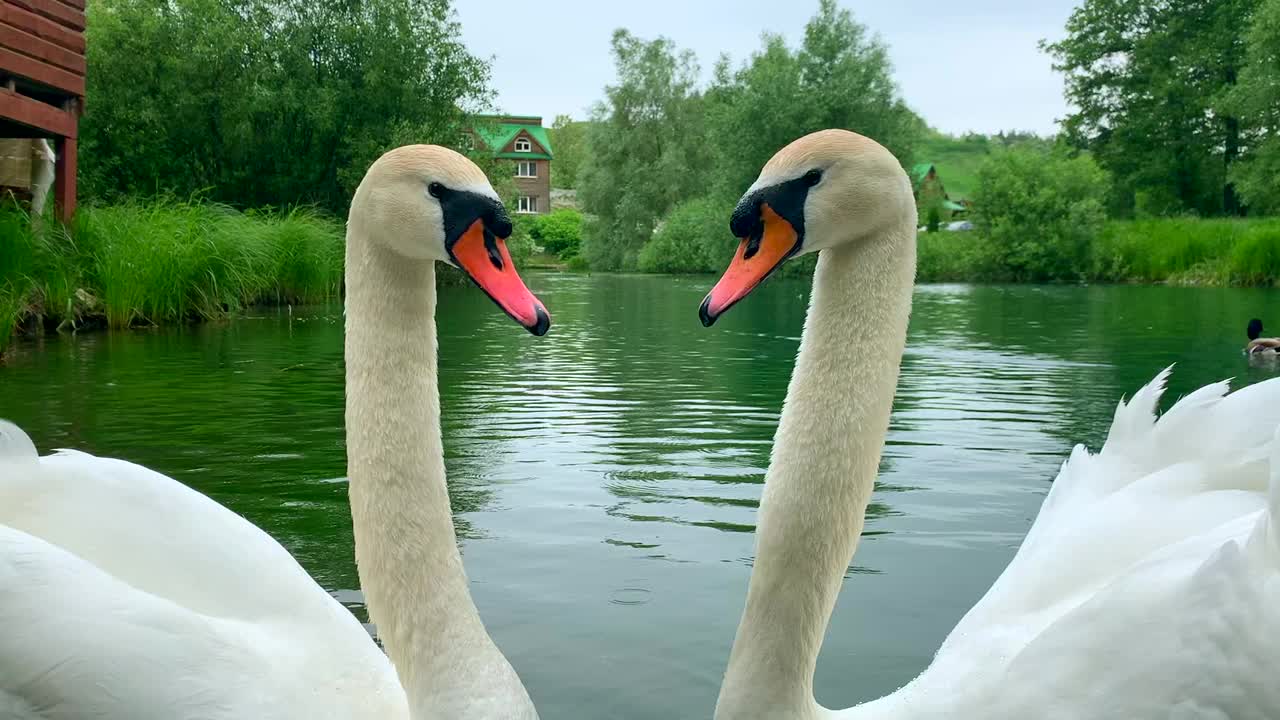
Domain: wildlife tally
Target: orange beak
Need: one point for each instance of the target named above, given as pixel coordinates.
(758, 256)
(484, 258)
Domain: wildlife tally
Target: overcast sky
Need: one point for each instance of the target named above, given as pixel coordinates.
(970, 65)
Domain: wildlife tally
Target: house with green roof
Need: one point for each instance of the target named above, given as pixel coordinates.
(522, 140)
(931, 193)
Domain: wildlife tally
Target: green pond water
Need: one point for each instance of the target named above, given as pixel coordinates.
(605, 477)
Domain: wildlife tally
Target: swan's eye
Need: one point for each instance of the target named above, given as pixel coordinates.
(435, 189)
(813, 177)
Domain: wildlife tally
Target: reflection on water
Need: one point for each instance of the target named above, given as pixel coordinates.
(605, 478)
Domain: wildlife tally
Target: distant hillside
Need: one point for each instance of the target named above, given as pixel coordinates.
(957, 161)
(958, 158)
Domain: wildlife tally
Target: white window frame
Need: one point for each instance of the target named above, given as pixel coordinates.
(529, 165)
(523, 145)
(527, 204)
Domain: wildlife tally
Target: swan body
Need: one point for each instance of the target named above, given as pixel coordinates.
(126, 595)
(1149, 584)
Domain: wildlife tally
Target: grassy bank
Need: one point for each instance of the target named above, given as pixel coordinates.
(160, 262)
(1177, 251)
(165, 261)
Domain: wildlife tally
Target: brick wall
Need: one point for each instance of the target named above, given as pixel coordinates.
(536, 187)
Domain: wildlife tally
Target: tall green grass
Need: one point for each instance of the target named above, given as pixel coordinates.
(162, 261)
(168, 261)
(1167, 250)
(1188, 250)
(38, 273)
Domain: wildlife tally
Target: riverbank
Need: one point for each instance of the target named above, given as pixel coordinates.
(160, 262)
(1180, 251)
(166, 262)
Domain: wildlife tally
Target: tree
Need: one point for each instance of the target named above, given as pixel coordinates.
(646, 149)
(840, 77)
(656, 143)
(1147, 79)
(568, 140)
(1257, 100)
(1037, 212)
(268, 102)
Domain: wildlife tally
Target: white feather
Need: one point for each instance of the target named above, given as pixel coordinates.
(125, 594)
(1143, 589)
(1148, 587)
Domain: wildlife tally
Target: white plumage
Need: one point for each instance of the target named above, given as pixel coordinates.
(1147, 588)
(125, 594)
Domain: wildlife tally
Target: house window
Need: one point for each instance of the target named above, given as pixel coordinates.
(522, 145)
(526, 169)
(527, 204)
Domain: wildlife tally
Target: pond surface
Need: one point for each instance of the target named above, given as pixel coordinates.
(605, 477)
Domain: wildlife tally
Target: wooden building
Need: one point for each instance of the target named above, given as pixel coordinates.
(42, 71)
(930, 193)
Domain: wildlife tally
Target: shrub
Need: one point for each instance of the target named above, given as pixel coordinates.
(1038, 212)
(559, 232)
(694, 238)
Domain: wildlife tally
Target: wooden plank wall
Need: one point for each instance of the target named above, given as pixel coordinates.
(43, 42)
(42, 72)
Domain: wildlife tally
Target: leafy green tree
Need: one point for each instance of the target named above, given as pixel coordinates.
(839, 77)
(1149, 79)
(569, 141)
(268, 102)
(1257, 100)
(646, 149)
(657, 143)
(1037, 213)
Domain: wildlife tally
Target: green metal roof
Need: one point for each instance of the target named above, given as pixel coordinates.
(498, 135)
(919, 172)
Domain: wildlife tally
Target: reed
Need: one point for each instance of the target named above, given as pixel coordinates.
(161, 261)
(1166, 250)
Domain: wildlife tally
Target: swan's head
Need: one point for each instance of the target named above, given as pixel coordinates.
(828, 188)
(428, 203)
(1255, 329)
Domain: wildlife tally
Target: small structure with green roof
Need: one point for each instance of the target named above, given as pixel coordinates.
(931, 194)
(523, 140)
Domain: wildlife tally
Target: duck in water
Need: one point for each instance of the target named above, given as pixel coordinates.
(1258, 343)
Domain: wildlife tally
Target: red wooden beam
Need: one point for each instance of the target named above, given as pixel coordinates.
(64, 182)
(42, 27)
(40, 72)
(64, 14)
(36, 114)
(34, 47)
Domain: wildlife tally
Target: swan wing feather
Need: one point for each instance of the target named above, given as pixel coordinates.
(117, 582)
(1149, 584)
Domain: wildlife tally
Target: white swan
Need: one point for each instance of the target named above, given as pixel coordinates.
(124, 594)
(1149, 585)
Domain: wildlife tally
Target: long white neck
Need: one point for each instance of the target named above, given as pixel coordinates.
(410, 569)
(825, 456)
